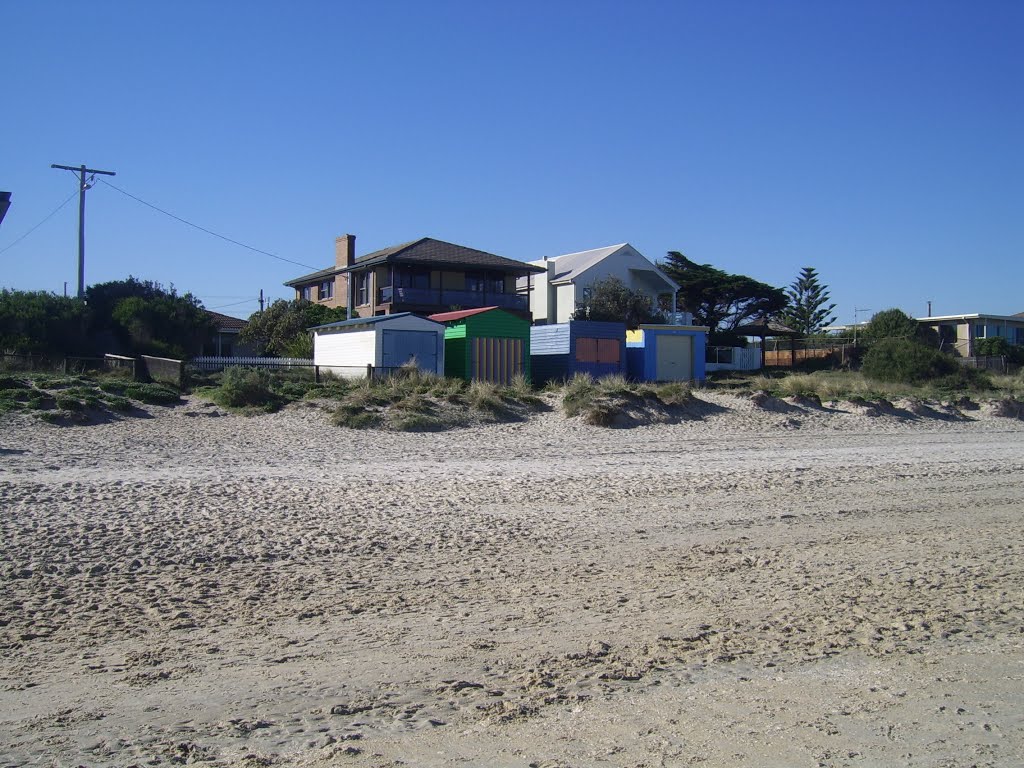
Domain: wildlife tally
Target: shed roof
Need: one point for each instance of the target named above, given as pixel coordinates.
(355, 321)
(445, 317)
(427, 252)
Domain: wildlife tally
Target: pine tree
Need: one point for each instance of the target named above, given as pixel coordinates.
(808, 309)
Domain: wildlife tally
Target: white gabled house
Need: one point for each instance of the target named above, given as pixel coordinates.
(556, 292)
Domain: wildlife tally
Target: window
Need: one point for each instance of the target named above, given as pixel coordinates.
(326, 290)
(586, 350)
(307, 292)
(604, 351)
(608, 350)
(496, 284)
(363, 288)
(413, 278)
(476, 282)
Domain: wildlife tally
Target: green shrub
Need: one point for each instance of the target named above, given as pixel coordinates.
(114, 387)
(414, 422)
(10, 382)
(68, 403)
(353, 419)
(245, 387)
(119, 404)
(906, 361)
(153, 394)
(40, 401)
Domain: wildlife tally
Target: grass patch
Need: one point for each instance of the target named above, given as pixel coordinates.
(578, 394)
(361, 419)
(483, 396)
(153, 394)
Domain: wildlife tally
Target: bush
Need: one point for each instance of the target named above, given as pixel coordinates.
(355, 419)
(153, 394)
(68, 403)
(242, 387)
(10, 382)
(906, 361)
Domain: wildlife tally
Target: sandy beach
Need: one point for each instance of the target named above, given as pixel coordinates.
(762, 584)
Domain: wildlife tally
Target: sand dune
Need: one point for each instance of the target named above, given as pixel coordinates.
(765, 583)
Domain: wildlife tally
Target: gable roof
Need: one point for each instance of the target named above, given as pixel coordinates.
(426, 252)
(445, 317)
(570, 265)
(226, 323)
(368, 321)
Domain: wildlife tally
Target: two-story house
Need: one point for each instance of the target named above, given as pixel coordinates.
(425, 276)
(563, 286)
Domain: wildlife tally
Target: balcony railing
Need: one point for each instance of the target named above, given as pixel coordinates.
(465, 299)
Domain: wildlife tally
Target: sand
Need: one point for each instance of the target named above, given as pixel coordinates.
(763, 584)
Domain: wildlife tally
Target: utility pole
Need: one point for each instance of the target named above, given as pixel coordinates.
(82, 188)
(929, 308)
(261, 301)
(856, 313)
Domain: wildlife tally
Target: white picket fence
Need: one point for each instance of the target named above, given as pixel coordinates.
(212, 363)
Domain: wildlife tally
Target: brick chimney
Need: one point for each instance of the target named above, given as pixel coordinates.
(344, 251)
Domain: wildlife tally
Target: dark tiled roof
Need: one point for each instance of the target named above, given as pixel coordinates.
(427, 252)
(226, 322)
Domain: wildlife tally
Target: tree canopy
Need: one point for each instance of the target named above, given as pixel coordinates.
(131, 316)
(719, 299)
(148, 318)
(808, 309)
(897, 324)
(280, 329)
(41, 323)
(612, 300)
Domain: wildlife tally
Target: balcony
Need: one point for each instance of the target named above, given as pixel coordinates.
(445, 299)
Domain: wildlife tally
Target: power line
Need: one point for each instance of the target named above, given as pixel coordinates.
(235, 304)
(203, 229)
(37, 226)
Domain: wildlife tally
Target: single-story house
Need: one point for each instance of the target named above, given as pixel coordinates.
(562, 286)
(223, 342)
(667, 352)
(368, 345)
(561, 350)
(959, 334)
(486, 344)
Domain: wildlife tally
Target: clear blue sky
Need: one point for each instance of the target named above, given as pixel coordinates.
(880, 142)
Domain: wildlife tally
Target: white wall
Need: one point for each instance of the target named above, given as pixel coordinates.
(565, 302)
(345, 352)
